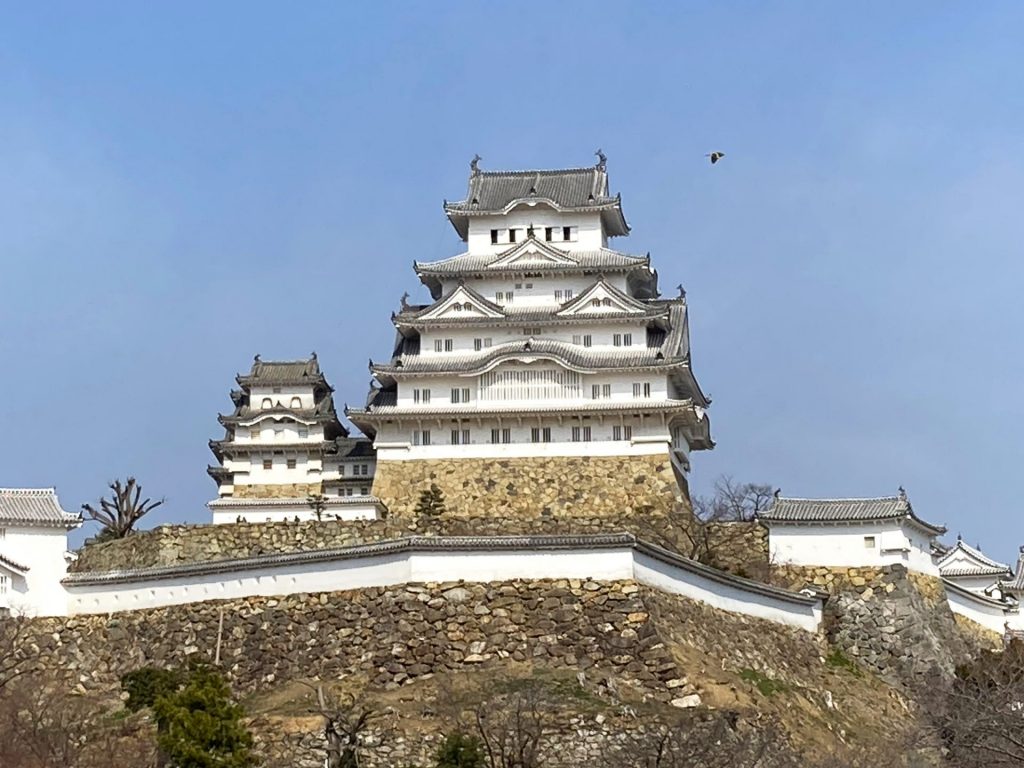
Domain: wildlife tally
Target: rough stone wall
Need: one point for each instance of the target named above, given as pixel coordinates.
(178, 544)
(392, 636)
(533, 487)
(894, 621)
(976, 635)
(281, 491)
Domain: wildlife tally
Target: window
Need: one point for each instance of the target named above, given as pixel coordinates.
(460, 437)
(279, 433)
(341, 470)
(291, 464)
(606, 301)
(617, 340)
(581, 434)
(869, 542)
(268, 463)
(595, 390)
(568, 293)
(296, 402)
(531, 331)
(341, 491)
(546, 433)
(438, 345)
(577, 339)
(494, 236)
(421, 395)
(595, 302)
(588, 340)
(519, 286)
(622, 433)
(254, 433)
(449, 345)
(3, 583)
(549, 233)
(647, 389)
(3, 534)
(303, 432)
(267, 403)
(508, 297)
(567, 233)
(277, 390)
(458, 307)
(558, 296)
(606, 390)
(627, 340)
(512, 235)
(421, 437)
(487, 343)
(495, 436)
(460, 395)
(642, 389)
(478, 344)
(535, 435)
(363, 490)
(529, 285)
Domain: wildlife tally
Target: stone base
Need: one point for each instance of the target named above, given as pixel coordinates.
(533, 487)
(283, 491)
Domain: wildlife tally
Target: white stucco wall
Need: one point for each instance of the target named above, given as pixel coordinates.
(992, 617)
(43, 550)
(845, 546)
(606, 564)
(589, 231)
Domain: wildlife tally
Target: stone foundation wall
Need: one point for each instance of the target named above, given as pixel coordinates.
(894, 621)
(533, 487)
(282, 491)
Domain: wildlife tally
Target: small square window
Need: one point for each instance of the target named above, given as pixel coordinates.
(268, 463)
(869, 542)
(291, 464)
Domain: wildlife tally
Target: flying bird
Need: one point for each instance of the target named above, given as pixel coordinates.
(715, 156)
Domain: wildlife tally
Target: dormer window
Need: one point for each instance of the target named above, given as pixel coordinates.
(296, 402)
(567, 233)
(512, 235)
(549, 234)
(607, 302)
(494, 237)
(267, 403)
(458, 307)
(595, 302)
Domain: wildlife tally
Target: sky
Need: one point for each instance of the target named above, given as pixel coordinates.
(185, 185)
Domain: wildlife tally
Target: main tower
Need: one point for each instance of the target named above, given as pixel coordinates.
(547, 376)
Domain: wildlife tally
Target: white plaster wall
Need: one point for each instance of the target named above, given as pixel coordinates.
(977, 584)
(229, 513)
(991, 617)
(727, 597)
(282, 398)
(589, 234)
(389, 570)
(602, 336)
(43, 551)
(843, 545)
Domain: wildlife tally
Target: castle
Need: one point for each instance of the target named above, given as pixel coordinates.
(548, 384)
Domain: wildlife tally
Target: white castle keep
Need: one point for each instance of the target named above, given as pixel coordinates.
(541, 340)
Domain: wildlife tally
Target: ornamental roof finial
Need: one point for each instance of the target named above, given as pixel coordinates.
(405, 300)
(682, 291)
(256, 357)
(903, 493)
(474, 165)
(777, 493)
(602, 160)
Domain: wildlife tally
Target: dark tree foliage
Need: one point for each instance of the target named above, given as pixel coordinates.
(431, 502)
(144, 686)
(200, 726)
(119, 513)
(459, 750)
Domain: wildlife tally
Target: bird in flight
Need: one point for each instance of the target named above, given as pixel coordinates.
(715, 156)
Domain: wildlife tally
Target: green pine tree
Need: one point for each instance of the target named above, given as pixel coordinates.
(199, 726)
(431, 502)
(460, 751)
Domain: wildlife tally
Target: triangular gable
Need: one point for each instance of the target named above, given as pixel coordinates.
(462, 302)
(602, 298)
(531, 253)
(963, 560)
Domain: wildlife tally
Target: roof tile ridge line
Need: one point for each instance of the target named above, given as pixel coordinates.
(384, 546)
(724, 577)
(841, 498)
(31, 491)
(947, 583)
(543, 171)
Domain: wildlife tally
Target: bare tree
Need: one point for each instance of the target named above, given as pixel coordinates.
(716, 530)
(345, 724)
(318, 503)
(119, 513)
(979, 715)
(514, 729)
(44, 727)
(15, 657)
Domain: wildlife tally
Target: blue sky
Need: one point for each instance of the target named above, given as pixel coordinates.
(184, 185)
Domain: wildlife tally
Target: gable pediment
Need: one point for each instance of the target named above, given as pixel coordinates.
(531, 253)
(602, 298)
(462, 303)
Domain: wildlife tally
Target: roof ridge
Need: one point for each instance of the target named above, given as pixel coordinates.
(545, 171)
(41, 491)
(840, 498)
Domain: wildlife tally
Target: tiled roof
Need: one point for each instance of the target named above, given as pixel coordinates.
(570, 189)
(283, 373)
(601, 259)
(34, 506)
(964, 560)
(1016, 584)
(11, 565)
(473, 410)
(793, 510)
